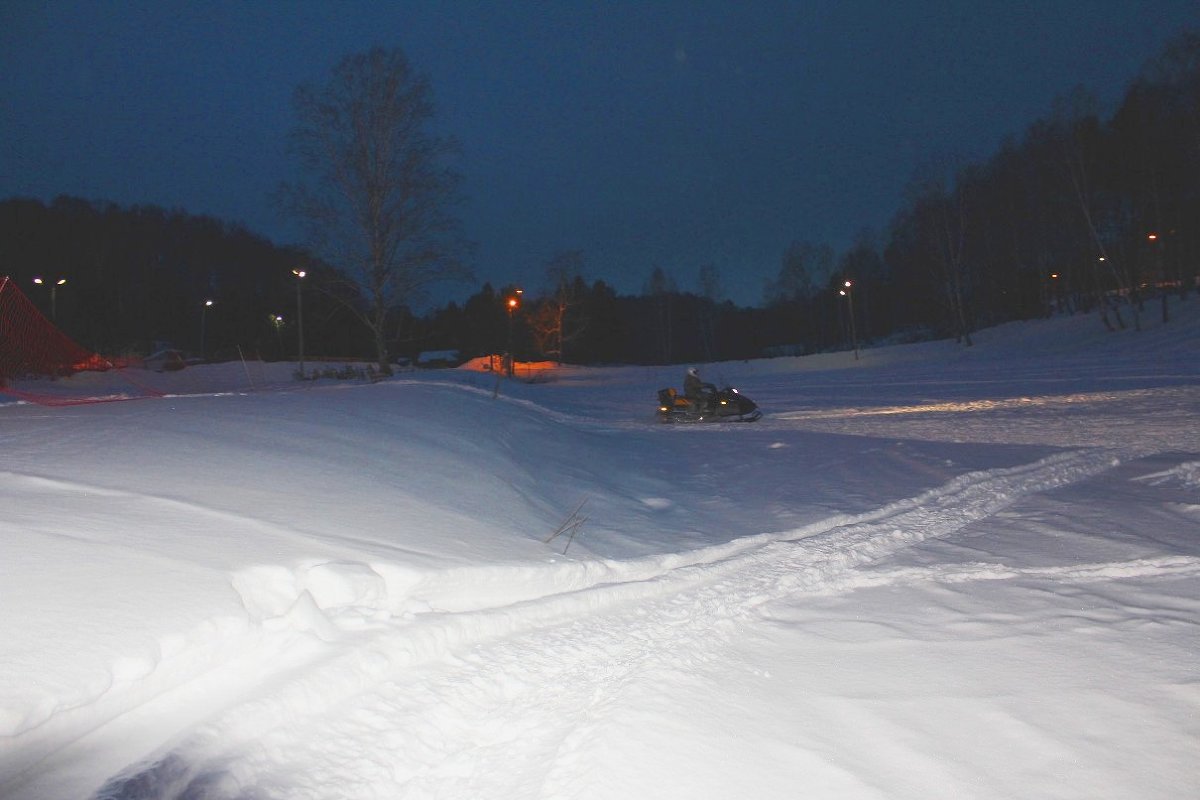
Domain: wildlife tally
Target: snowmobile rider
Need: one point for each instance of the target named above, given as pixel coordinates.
(696, 390)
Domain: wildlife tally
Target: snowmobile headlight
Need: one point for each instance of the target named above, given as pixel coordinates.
(724, 402)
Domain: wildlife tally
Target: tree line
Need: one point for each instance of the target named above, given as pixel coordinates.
(1076, 214)
(139, 279)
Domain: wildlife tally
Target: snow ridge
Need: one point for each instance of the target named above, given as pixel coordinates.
(451, 673)
(347, 593)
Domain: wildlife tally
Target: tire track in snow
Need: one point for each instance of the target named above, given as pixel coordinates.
(1161, 567)
(468, 704)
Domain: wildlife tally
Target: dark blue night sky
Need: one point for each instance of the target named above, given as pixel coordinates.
(668, 134)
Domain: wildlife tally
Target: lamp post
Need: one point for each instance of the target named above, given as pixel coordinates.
(846, 292)
(277, 321)
(299, 273)
(513, 303)
(203, 312)
(53, 294)
(1161, 277)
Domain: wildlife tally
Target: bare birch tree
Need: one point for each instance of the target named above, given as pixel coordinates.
(709, 280)
(552, 320)
(942, 221)
(1076, 129)
(379, 198)
(660, 288)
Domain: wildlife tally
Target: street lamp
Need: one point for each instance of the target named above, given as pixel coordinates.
(845, 292)
(1161, 277)
(299, 273)
(513, 303)
(53, 294)
(203, 311)
(1052, 303)
(277, 321)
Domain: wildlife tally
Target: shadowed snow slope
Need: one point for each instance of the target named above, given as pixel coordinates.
(930, 573)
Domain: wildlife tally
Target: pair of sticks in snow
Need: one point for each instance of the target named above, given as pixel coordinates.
(570, 525)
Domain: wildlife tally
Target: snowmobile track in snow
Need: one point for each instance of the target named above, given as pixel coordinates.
(471, 699)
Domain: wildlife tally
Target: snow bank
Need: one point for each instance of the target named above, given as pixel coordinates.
(932, 572)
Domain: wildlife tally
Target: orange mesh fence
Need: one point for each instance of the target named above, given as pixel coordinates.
(32, 346)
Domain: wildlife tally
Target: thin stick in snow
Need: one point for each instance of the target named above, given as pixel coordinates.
(570, 525)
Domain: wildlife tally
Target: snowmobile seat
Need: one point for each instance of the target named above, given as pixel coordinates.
(671, 399)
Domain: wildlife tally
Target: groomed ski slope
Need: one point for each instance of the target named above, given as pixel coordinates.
(930, 573)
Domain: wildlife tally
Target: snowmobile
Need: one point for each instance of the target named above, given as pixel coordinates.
(717, 405)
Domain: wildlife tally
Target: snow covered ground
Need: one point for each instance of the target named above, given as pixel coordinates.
(934, 572)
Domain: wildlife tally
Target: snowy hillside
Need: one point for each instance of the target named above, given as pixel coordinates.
(934, 572)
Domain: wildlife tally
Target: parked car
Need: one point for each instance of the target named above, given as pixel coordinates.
(165, 361)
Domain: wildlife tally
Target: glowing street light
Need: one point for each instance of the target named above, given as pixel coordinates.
(512, 303)
(53, 294)
(203, 311)
(845, 292)
(1161, 278)
(299, 273)
(277, 321)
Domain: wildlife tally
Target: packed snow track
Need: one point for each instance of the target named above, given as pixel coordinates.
(926, 574)
(467, 703)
